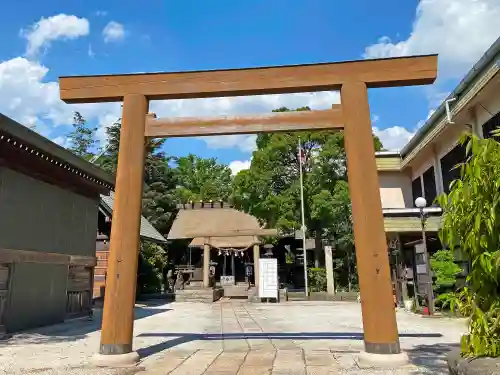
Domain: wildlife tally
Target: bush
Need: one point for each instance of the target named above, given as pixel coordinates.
(444, 269)
(316, 278)
(471, 219)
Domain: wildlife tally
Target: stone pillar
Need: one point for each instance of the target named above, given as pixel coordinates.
(377, 305)
(118, 314)
(233, 267)
(256, 258)
(206, 265)
(330, 281)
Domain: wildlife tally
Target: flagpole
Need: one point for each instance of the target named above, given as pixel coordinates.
(303, 221)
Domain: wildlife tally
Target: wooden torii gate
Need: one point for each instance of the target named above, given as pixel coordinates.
(351, 78)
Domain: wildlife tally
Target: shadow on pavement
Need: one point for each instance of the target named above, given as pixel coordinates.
(182, 338)
(432, 357)
(74, 330)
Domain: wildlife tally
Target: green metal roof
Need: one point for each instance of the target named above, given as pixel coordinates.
(148, 232)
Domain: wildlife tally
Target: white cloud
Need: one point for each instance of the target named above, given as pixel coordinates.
(459, 30)
(27, 98)
(244, 142)
(393, 138)
(61, 141)
(396, 137)
(238, 165)
(90, 51)
(101, 13)
(59, 27)
(113, 32)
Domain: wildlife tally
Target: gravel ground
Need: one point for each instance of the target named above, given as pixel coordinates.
(233, 337)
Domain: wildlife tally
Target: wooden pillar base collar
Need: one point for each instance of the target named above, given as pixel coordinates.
(113, 349)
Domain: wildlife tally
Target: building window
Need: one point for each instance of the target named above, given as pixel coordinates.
(416, 188)
(490, 125)
(448, 164)
(429, 186)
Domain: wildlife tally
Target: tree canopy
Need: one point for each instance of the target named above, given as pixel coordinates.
(202, 179)
(270, 188)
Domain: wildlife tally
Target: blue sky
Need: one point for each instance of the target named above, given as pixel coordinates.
(44, 40)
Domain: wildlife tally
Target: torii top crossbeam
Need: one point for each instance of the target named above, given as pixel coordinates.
(393, 72)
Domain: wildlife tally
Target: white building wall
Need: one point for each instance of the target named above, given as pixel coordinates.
(395, 190)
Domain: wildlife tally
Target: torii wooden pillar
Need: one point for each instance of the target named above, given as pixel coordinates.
(351, 78)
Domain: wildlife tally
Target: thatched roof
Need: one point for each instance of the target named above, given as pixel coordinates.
(235, 242)
(214, 218)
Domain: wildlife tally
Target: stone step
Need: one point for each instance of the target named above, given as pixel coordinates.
(236, 291)
(206, 295)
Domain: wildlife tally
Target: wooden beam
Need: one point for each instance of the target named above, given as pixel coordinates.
(379, 318)
(224, 125)
(118, 314)
(392, 72)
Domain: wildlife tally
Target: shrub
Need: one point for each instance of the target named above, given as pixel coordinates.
(471, 213)
(316, 278)
(444, 269)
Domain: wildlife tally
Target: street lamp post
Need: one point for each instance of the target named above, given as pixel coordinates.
(421, 203)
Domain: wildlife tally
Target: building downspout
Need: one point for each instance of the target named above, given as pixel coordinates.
(448, 112)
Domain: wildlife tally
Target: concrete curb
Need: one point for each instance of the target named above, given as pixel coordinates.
(115, 360)
(369, 360)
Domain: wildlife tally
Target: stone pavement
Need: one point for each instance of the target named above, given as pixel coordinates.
(235, 338)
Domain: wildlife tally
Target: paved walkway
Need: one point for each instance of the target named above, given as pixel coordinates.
(234, 338)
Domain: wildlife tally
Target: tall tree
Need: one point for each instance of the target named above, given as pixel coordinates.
(202, 179)
(159, 178)
(270, 188)
(109, 160)
(82, 139)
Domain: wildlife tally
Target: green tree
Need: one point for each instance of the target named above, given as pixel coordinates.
(202, 179)
(158, 201)
(109, 160)
(270, 188)
(82, 138)
(471, 213)
(152, 261)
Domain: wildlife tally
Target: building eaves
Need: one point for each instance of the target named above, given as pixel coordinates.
(485, 61)
(45, 146)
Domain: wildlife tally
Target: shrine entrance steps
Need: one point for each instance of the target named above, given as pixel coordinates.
(205, 295)
(238, 291)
